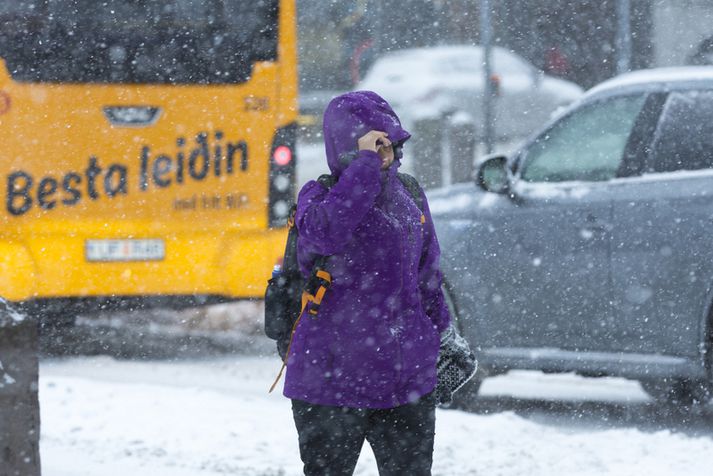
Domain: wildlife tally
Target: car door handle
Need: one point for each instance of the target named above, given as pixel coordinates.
(596, 228)
(596, 225)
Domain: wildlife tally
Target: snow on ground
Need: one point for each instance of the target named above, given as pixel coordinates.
(213, 416)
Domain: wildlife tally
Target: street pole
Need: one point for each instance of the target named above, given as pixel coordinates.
(379, 37)
(623, 34)
(488, 92)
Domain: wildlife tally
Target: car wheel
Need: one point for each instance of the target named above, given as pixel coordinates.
(465, 398)
(684, 392)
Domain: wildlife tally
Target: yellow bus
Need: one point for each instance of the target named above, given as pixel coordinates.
(147, 153)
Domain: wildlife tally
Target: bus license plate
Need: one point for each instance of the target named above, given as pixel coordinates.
(124, 250)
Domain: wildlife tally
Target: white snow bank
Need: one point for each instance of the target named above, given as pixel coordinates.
(5, 378)
(8, 314)
(214, 417)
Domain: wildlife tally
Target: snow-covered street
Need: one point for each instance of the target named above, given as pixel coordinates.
(211, 415)
(162, 400)
(391, 189)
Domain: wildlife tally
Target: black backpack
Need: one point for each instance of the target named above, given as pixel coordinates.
(288, 292)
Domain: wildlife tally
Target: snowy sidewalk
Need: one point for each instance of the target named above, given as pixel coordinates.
(105, 417)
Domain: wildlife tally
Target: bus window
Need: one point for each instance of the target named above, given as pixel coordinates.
(125, 41)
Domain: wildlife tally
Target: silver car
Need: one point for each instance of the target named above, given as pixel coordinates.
(590, 249)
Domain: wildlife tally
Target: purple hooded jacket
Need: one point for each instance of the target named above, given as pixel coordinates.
(375, 341)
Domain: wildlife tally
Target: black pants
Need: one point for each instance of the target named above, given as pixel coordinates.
(331, 438)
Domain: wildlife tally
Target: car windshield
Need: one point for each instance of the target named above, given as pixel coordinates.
(588, 145)
(127, 41)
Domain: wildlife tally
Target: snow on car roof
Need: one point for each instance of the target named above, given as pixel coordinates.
(437, 51)
(655, 77)
(468, 57)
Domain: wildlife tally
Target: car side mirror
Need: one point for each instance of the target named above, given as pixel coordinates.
(491, 174)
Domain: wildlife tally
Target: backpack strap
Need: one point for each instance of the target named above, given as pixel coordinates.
(315, 289)
(327, 180)
(408, 181)
(316, 285)
(413, 187)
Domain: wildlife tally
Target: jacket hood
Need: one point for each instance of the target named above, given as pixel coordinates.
(350, 116)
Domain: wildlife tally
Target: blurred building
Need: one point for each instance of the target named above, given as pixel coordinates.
(339, 40)
(574, 39)
(681, 29)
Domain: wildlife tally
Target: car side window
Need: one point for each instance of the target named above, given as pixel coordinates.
(684, 137)
(587, 145)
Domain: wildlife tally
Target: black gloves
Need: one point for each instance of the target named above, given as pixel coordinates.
(456, 365)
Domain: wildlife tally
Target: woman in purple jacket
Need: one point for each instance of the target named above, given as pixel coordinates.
(365, 366)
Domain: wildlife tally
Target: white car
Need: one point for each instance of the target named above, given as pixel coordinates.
(435, 81)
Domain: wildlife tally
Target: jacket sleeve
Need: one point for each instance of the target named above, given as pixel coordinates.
(326, 219)
(430, 278)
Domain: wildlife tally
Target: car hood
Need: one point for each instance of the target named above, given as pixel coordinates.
(451, 200)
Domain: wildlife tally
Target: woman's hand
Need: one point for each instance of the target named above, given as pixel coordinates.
(373, 140)
(377, 141)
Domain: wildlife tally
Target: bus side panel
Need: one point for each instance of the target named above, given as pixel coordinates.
(232, 265)
(53, 131)
(288, 63)
(202, 221)
(249, 260)
(17, 271)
